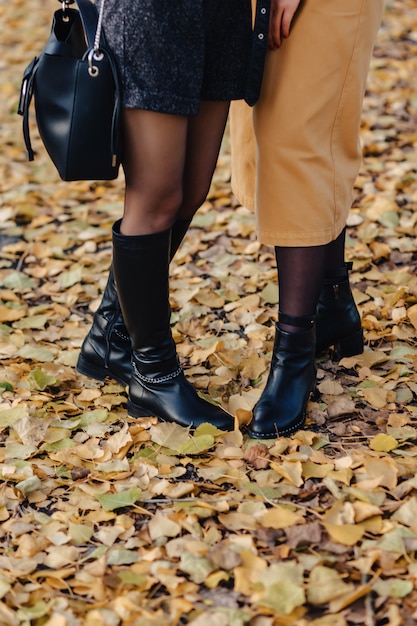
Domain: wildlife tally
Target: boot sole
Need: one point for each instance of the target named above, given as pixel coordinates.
(136, 411)
(278, 433)
(96, 372)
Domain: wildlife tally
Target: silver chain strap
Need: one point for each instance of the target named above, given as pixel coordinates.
(96, 54)
(99, 27)
(161, 379)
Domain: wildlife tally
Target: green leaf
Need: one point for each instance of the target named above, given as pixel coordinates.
(112, 501)
(16, 450)
(62, 444)
(68, 279)
(38, 610)
(18, 281)
(130, 578)
(208, 429)
(36, 353)
(204, 220)
(80, 533)
(34, 322)
(9, 416)
(283, 597)
(196, 566)
(393, 587)
(122, 557)
(196, 445)
(270, 293)
(38, 379)
(30, 484)
(92, 417)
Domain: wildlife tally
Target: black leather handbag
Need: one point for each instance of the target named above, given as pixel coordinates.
(76, 90)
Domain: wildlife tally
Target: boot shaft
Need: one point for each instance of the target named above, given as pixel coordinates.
(141, 267)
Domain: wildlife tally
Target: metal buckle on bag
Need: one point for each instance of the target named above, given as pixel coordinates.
(65, 5)
(95, 55)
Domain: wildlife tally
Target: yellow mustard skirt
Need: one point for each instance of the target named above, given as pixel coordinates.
(297, 153)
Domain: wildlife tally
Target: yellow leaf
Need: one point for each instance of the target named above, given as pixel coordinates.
(383, 443)
(341, 603)
(376, 396)
(8, 314)
(385, 470)
(373, 525)
(316, 470)
(247, 574)
(347, 534)
(209, 298)
(238, 521)
(117, 441)
(407, 513)
(243, 417)
(365, 510)
(368, 358)
(213, 580)
(343, 475)
(255, 365)
(162, 526)
(56, 573)
(290, 470)
(412, 315)
(280, 517)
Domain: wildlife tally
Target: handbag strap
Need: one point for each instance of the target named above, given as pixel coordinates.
(92, 22)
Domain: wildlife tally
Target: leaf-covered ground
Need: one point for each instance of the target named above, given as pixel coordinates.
(107, 520)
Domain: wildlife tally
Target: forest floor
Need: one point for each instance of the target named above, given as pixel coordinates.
(111, 521)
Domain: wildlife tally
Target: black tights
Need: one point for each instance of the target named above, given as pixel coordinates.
(300, 276)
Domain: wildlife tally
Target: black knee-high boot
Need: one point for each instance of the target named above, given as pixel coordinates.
(281, 409)
(106, 351)
(158, 386)
(338, 319)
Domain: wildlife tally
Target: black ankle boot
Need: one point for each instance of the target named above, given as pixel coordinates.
(338, 319)
(158, 386)
(280, 411)
(106, 351)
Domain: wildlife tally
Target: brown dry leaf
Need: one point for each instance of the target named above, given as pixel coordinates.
(258, 456)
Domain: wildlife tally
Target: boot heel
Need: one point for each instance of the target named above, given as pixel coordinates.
(96, 372)
(349, 346)
(134, 410)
